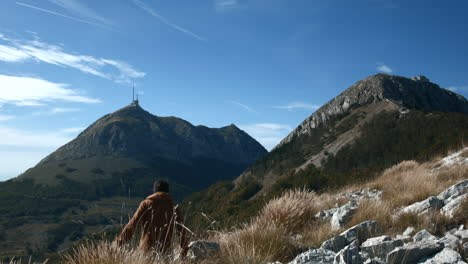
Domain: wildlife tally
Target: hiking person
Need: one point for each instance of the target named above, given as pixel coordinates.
(158, 216)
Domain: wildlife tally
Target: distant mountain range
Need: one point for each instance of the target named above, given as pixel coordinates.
(132, 142)
(372, 125)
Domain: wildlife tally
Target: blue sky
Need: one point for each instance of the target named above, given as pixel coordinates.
(264, 65)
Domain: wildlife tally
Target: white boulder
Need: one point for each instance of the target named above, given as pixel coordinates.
(315, 256)
(414, 252)
(446, 256)
(343, 214)
(379, 247)
(424, 235)
(429, 205)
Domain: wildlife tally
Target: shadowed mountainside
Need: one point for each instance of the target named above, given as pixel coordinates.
(376, 123)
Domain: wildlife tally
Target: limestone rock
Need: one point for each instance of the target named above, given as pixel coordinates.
(326, 214)
(424, 235)
(335, 244)
(349, 255)
(462, 234)
(374, 261)
(202, 249)
(429, 205)
(464, 250)
(358, 232)
(369, 194)
(453, 205)
(446, 256)
(404, 239)
(414, 252)
(454, 191)
(379, 247)
(343, 214)
(409, 231)
(315, 256)
(451, 241)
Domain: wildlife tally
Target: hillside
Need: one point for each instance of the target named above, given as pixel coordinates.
(93, 182)
(376, 123)
(410, 213)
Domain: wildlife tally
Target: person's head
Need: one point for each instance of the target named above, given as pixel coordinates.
(161, 186)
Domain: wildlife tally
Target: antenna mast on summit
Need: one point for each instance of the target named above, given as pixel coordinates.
(134, 100)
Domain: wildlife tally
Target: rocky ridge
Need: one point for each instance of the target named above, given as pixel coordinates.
(417, 92)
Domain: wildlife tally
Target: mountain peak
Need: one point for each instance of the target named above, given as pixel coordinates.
(416, 92)
(134, 132)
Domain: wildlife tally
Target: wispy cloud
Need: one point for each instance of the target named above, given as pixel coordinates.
(457, 88)
(63, 15)
(384, 68)
(6, 117)
(59, 110)
(74, 6)
(246, 107)
(34, 50)
(27, 91)
(223, 5)
(166, 21)
(268, 134)
(298, 105)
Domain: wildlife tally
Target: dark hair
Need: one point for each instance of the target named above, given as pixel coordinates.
(161, 186)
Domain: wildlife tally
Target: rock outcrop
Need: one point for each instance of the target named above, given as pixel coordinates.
(315, 256)
(357, 233)
(379, 247)
(447, 202)
(339, 216)
(413, 252)
(357, 246)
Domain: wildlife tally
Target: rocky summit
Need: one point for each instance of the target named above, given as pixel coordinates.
(417, 92)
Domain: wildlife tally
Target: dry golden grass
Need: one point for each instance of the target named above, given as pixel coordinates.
(464, 154)
(314, 236)
(291, 211)
(372, 210)
(405, 183)
(19, 261)
(268, 237)
(109, 253)
(255, 244)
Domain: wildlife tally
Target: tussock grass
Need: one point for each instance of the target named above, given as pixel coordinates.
(255, 243)
(291, 211)
(314, 236)
(19, 261)
(105, 252)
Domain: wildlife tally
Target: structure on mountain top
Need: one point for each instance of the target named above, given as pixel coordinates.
(134, 100)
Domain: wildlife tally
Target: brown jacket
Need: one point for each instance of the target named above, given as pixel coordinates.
(158, 216)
